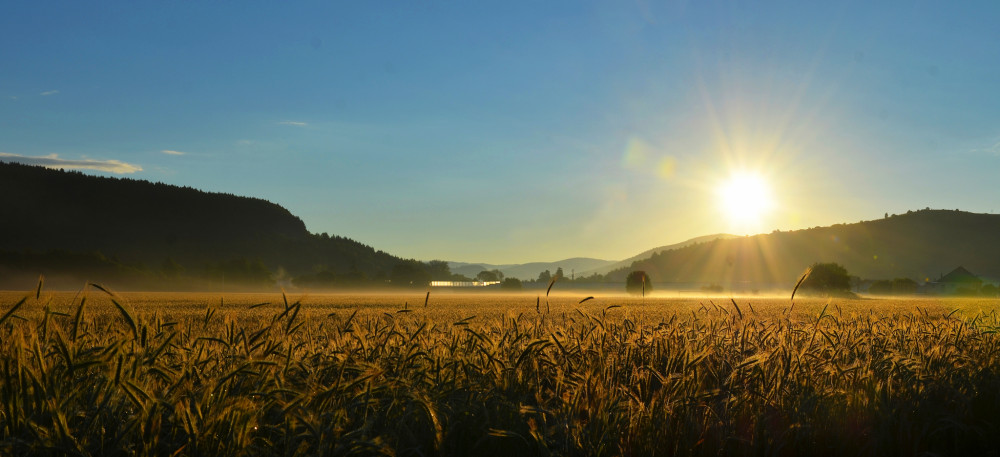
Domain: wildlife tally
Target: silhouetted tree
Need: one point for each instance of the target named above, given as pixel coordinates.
(904, 286)
(827, 279)
(487, 276)
(544, 276)
(596, 277)
(638, 283)
(439, 270)
(511, 284)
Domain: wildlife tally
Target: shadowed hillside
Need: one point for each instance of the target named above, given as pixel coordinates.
(920, 245)
(650, 252)
(55, 220)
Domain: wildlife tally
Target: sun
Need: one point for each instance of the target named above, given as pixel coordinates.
(745, 198)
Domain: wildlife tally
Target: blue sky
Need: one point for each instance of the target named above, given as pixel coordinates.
(518, 131)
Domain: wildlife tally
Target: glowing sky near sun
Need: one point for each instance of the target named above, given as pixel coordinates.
(518, 131)
(745, 199)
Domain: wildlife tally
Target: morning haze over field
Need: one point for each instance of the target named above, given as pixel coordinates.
(550, 228)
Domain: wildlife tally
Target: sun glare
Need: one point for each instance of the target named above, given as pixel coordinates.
(744, 199)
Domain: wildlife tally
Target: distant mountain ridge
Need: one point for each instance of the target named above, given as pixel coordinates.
(605, 269)
(921, 245)
(578, 266)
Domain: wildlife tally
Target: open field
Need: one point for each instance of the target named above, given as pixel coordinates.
(486, 304)
(480, 374)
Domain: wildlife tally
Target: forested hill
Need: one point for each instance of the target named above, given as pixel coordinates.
(157, 226)
(921, 245)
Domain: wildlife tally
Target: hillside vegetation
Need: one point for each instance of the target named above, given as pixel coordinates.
(611, 266)
(69, 223)
(921, 245)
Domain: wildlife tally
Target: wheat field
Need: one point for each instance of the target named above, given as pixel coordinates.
(99, 373)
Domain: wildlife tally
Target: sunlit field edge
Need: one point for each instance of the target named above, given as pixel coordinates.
(495, 374)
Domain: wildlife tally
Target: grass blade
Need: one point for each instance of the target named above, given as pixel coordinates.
(13, 309)
(803, 278)
(128, 318)
(38, 291)
(78, 318)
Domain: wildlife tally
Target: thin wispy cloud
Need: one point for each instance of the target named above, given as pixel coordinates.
(993, 150)
(173, 153)
(49, 92)
(53, 161)
(295, 123)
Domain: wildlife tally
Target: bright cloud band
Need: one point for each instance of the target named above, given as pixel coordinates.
(53, 161)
